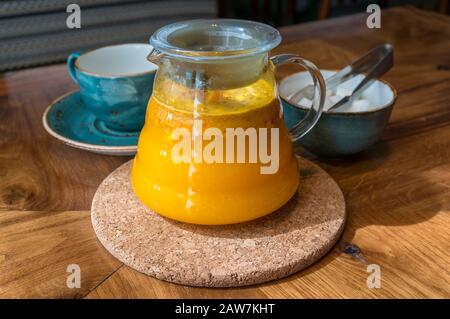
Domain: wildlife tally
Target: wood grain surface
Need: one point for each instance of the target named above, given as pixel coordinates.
(397, 192)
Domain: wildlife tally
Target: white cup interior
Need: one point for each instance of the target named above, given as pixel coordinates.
(378, 94)
(117, 60)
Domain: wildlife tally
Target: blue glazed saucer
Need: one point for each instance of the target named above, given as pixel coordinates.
(67, 120)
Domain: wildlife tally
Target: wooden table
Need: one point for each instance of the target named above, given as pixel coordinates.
(397, 192)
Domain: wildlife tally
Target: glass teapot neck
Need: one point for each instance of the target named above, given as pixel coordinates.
(212, 74)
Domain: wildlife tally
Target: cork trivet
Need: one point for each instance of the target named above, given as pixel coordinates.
(265, 249)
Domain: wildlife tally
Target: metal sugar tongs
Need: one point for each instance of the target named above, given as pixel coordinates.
(373, 64)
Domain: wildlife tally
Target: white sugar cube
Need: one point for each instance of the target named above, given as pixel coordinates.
(360, 105)
(330, 101)
(343, 90)
(327, 104)
(305, 102)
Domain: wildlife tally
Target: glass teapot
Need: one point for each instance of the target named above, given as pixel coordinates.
(214, 148)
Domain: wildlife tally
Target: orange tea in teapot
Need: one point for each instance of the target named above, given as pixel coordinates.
(214, 148)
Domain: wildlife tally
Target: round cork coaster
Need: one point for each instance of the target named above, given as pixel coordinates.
(265, 249)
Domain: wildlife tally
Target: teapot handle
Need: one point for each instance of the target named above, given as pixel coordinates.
(318, 97)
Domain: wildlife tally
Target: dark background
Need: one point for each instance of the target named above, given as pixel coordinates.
(34, 32)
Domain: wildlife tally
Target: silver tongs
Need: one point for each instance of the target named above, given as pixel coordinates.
(373, 64)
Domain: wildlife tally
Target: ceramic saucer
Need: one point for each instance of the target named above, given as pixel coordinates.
(67, 120)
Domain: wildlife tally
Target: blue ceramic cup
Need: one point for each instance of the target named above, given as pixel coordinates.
(115, 83)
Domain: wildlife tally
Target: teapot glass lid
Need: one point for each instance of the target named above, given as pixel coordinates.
(215, 39)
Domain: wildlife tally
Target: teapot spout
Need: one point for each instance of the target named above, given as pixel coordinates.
(155, 56)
